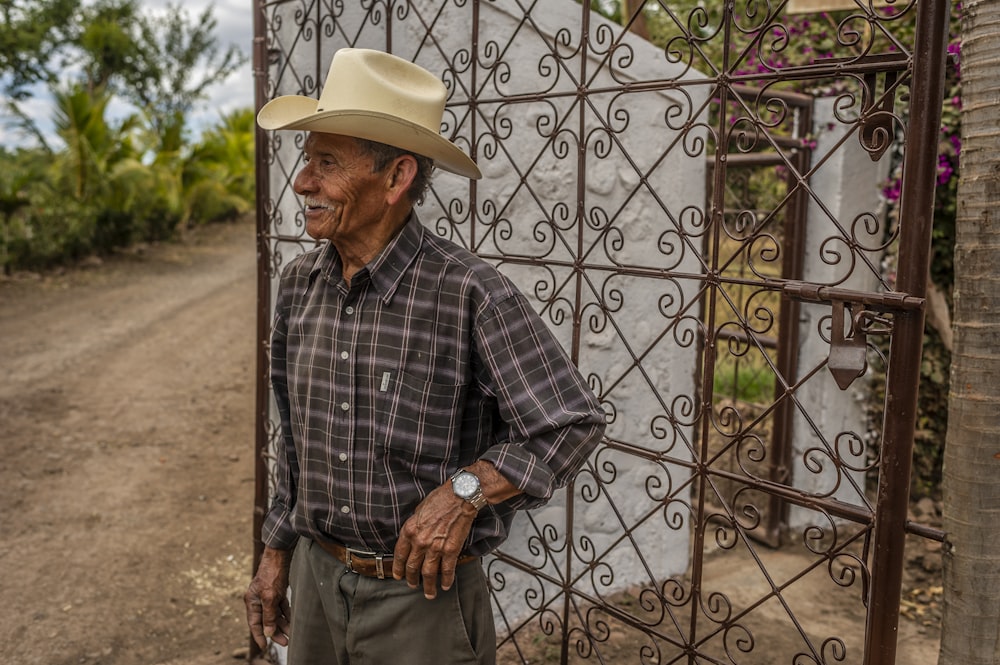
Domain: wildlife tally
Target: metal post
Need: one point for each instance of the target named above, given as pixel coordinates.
(260, 64)
(916, 220)
(787, 360)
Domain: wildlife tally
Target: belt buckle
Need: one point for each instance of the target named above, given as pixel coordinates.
(379, 570)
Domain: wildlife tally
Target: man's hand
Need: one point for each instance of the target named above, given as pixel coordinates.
(268, 612)
(432, 539)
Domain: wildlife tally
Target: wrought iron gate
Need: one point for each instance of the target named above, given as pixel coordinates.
(595, 143)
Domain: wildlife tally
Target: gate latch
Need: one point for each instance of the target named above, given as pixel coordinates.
(848, 351)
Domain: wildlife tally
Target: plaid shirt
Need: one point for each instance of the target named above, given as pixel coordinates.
(428, 361)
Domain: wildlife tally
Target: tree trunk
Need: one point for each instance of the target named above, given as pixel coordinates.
(971, 484)
(630, 7)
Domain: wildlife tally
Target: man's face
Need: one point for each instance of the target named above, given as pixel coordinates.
(342, 196)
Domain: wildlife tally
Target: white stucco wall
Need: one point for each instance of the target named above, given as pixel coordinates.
(846, 204)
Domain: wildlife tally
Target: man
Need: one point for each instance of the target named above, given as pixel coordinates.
(422, 401)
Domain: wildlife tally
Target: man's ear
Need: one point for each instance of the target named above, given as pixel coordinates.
(399, 177)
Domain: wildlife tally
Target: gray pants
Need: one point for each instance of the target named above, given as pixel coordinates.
(341, 618)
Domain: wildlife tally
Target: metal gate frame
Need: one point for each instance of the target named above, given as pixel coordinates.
(903, 308)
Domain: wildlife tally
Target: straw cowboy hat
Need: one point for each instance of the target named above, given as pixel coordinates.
(376, 96)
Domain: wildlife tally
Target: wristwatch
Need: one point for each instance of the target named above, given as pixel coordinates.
(465, 484)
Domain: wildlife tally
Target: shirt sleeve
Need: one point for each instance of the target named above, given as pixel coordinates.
(551, 419)
(277, 530)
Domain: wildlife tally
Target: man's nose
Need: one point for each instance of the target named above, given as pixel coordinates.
(304, 181)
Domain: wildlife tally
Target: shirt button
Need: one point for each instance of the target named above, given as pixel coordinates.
(348, 310)
(345, 355)
(345, 509)
(343, 457)
(344, 406)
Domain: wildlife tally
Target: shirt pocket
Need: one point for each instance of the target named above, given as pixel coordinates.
(420, 422)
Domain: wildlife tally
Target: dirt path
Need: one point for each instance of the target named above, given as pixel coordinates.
(126, 476)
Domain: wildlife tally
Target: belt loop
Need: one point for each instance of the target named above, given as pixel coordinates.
(378, 567)
(349, 562)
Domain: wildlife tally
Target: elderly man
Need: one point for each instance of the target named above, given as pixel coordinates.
(422, 400)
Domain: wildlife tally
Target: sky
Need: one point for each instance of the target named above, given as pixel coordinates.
(234, 25)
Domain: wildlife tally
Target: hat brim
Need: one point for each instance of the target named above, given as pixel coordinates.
(297, 112)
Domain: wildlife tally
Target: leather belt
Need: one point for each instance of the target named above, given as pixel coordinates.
(369, 564)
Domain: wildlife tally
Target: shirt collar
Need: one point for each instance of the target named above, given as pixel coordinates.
(385, 270)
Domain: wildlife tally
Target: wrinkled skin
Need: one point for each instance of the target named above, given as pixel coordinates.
(268, 613)
(431, 540)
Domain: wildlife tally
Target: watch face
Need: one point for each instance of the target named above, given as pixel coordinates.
(465, 485)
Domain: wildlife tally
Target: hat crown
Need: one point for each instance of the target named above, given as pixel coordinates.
(362, 79)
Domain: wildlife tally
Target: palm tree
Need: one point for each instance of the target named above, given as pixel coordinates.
(219, 175)
(971, 484)
(103, 168)
(93, 145)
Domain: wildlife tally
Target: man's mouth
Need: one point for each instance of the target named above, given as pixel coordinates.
(315, 206)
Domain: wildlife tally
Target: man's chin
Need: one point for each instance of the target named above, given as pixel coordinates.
(317, 230)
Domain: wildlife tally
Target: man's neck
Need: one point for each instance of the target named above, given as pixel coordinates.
(355, 256)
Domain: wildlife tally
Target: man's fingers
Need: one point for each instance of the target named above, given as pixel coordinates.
(286, 614)
(400, 556)
(448, 573)
(413, 572)
(268, 613)
(254, 620)
(281, 638)
(268, 618)
(429, 571)
(259, 638)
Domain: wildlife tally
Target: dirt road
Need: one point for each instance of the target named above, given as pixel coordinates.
(126, 404)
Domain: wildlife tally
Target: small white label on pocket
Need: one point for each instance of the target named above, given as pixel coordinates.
(385, 381)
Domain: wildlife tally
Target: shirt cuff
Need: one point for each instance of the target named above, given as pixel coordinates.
(524, 470)
(277, 531)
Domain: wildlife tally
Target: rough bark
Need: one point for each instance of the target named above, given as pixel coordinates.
(971, 484)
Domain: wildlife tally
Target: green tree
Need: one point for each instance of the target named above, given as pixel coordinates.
(181, 60)
(109, 181)
(219, 174)
(31, 33)
(227, 151)
(12, 199)
(162, 65)
(101, 169)
(108, 42)
(93, 146)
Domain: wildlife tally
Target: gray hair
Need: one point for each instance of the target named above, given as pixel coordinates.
(383, 154)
